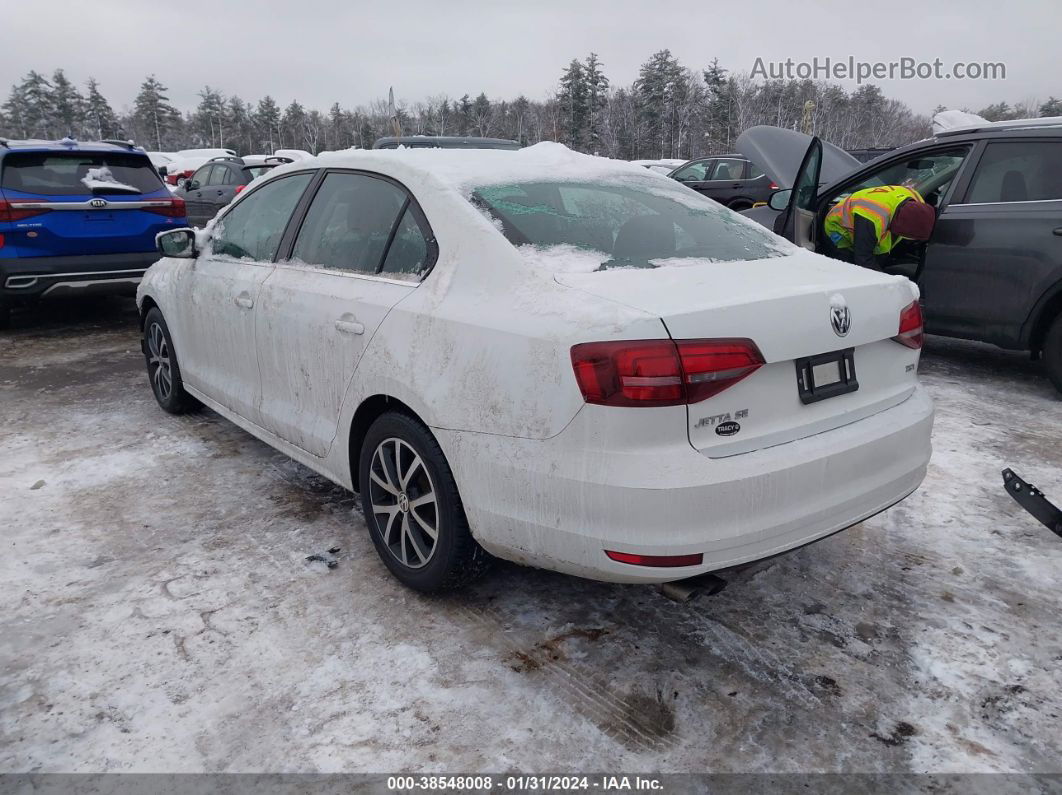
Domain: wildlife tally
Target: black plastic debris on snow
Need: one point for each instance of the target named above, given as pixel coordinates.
(1033, 500)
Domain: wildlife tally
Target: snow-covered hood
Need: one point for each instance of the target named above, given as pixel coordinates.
(780, 152)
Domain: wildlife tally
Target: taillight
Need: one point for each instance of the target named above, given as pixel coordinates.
(171, 208)
(662, 561)
(661, 372)
(239, 189)
(772, 186)
(911, 333)
(13, 211)
(1, 241)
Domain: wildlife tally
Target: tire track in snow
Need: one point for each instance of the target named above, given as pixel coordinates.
(611, 713)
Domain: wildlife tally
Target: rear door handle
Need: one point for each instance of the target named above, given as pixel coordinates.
(349, 326)
(244, 301)
(1057, 230)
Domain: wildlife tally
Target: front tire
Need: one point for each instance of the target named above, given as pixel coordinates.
(1053, 353)
(412, 507)
(163, 370)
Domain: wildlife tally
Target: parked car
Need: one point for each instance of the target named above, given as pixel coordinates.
(77, 218)
(444, 142)
(731, 180)
(663, 166)
(557, 359)
(217, 182)
(992, 271)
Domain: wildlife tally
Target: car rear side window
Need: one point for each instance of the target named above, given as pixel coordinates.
(252, 229)
(349, 223)
(409, 251)
(1016, 171)
(79, 173)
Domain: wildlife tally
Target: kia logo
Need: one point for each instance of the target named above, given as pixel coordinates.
(97, 204)
(840, 316)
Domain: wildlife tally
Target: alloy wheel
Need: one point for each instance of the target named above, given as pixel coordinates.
(159, 361)
(403, 499)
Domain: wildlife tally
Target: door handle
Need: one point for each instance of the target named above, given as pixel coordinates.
(244, 301)
(1057, 230)
(349, 327)
(220, 192)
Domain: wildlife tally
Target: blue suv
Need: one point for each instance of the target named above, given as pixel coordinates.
(78, 218)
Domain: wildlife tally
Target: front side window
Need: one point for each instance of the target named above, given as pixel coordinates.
(1018, 171)
(201, 178)
(929, 174)
(625, 225)
(252, 229)
(694, 172)
(349, 223)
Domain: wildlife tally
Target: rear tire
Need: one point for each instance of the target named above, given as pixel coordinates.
(408, 493)
(740, 205)
(1052, 354)
(164, 372)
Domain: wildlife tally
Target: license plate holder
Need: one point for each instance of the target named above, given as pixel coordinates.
(826, 375)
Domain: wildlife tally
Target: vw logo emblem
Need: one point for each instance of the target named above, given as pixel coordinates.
(840, 316)
(98, 204)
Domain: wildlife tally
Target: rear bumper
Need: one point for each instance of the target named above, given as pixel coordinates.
(558, 505)
(30, 278)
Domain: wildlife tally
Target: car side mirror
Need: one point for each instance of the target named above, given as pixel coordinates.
(163, 171)
(178, 243)
(779, 200)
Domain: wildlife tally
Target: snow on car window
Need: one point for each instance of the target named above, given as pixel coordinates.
(103, 178)
(621, 224)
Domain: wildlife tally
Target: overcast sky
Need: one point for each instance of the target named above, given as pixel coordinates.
(321, 51)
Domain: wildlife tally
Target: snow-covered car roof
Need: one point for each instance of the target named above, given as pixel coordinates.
(464, 169)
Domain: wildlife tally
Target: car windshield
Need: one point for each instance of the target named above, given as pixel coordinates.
(79, 173)
(630, 225)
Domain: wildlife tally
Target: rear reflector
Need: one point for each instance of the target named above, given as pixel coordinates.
(660, 561)
(911, 326)
(661, 372)
(12, 211)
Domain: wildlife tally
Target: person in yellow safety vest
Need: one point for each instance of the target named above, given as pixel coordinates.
(870, 222)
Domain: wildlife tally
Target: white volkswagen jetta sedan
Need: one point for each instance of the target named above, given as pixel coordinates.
(557, 359)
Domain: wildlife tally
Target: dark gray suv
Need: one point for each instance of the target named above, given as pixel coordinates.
(992, 270)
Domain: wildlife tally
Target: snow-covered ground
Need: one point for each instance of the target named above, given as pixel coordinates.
(159, 614)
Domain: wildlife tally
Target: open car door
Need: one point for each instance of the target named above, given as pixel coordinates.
(798, 222)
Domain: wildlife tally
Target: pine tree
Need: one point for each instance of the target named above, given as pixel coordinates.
(155, 117)
(596, 99)
(100, 120)
(658, 86)
(572, 99)
(291, 124)
(67, 107)
(29, 107)
(237, 115)
(207, 119)
(1053, 107)
(267, 122)
(464, 115)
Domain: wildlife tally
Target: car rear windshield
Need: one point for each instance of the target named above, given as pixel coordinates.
(79, 173)
(257, 171)
(631, 225)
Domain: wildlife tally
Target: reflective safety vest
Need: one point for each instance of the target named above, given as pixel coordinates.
(877, 205)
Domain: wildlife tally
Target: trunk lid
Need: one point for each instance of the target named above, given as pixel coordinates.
(784, 305)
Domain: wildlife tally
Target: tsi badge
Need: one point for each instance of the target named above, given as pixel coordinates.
(840, 315)
(725, 424)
